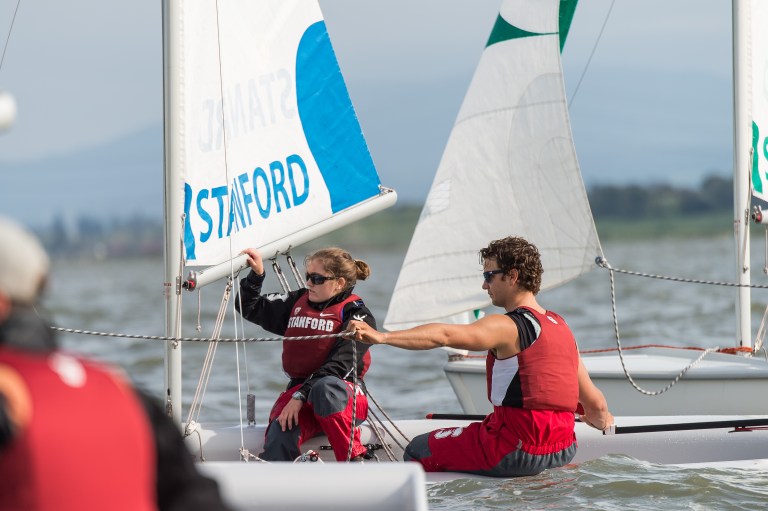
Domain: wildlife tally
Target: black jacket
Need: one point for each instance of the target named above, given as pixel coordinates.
(272, 311)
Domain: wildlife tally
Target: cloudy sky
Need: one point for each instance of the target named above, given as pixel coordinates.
(654, 104)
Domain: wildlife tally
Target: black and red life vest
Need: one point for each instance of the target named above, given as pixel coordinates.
(302, 358)
(543, 376)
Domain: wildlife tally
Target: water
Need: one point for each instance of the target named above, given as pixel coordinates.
(126, 296)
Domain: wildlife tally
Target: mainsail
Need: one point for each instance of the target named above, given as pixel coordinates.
(759, 96)
(262, 145)
(263, 139)
(509, 168)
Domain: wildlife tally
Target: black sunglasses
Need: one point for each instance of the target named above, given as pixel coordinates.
(488, 275)
(317, 279)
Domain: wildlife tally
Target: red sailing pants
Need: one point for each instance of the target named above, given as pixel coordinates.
(322, 413)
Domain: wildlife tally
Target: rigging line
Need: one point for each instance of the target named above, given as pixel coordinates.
(240, 394)
(745, 218)
(296, 275)
(221, 91)
(226, 174)
(370, 396)
(621, 351)
(178, 312)
(602, 262)
(387, 431)
(760, 337)
(280, 275)
(200, 339)
(241, 320)
(224, 134)
(205, 376)
(382, 440)
(202, 384)
(224, 137)
(354, 400)
(592, 54)
(10, 29)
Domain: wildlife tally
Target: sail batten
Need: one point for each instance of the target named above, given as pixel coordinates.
(509, 168)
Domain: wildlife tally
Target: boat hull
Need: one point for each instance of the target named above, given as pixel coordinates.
(263, 485)
(720, 384)
(690, 444)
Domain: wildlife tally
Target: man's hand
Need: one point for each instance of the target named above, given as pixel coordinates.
(601, 421)
(364, 333)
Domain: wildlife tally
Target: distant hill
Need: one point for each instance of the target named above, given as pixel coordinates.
(108, 200)
(120, 179)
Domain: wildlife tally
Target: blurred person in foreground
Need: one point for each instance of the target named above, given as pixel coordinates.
(74, 434)
(536, 380)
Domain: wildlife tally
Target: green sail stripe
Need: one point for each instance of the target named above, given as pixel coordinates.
(757, 182)
(503, 31)
(567, 8)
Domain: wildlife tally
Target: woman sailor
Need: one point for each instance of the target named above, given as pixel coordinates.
(319, 396)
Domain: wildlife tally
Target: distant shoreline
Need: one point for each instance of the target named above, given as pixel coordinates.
(393, 228)
(712, 224)
(389, 230)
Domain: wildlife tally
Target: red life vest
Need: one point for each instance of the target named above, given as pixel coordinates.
(88, 443)
(547, 370)
(302, 358)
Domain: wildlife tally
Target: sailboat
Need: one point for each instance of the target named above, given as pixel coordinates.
(192, 40)
(262, 147)
(510, 168)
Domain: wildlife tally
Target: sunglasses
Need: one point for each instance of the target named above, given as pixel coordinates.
(488, 275)
(317, 279)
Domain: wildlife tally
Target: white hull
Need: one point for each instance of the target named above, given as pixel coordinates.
(220, 443)
(402, 485)
(718, 384)
(332, 486)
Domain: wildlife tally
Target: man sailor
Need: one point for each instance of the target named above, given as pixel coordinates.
(536, 380)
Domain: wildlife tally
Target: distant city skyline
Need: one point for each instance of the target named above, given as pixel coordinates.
(654, 105)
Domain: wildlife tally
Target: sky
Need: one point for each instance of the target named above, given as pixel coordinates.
(653, 106)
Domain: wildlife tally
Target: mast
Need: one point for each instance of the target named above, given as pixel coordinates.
(173, 201)
(741, 176)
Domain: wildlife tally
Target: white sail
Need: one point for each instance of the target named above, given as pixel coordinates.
(262, 144)
(759, 92)
(264, 140)
(509, 168)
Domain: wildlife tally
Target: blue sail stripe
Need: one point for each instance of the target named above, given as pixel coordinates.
(330, 125)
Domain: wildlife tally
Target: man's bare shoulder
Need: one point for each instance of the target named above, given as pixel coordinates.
(502, 332)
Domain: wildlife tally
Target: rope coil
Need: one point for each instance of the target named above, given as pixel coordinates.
(603, 263)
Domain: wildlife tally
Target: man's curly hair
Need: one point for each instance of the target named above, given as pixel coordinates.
(516, 253)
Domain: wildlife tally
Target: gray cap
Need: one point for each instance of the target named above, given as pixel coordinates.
(24, 263)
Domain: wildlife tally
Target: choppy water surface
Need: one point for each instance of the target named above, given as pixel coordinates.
(126, 296)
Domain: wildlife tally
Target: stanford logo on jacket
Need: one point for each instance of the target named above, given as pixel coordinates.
(302, 358)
